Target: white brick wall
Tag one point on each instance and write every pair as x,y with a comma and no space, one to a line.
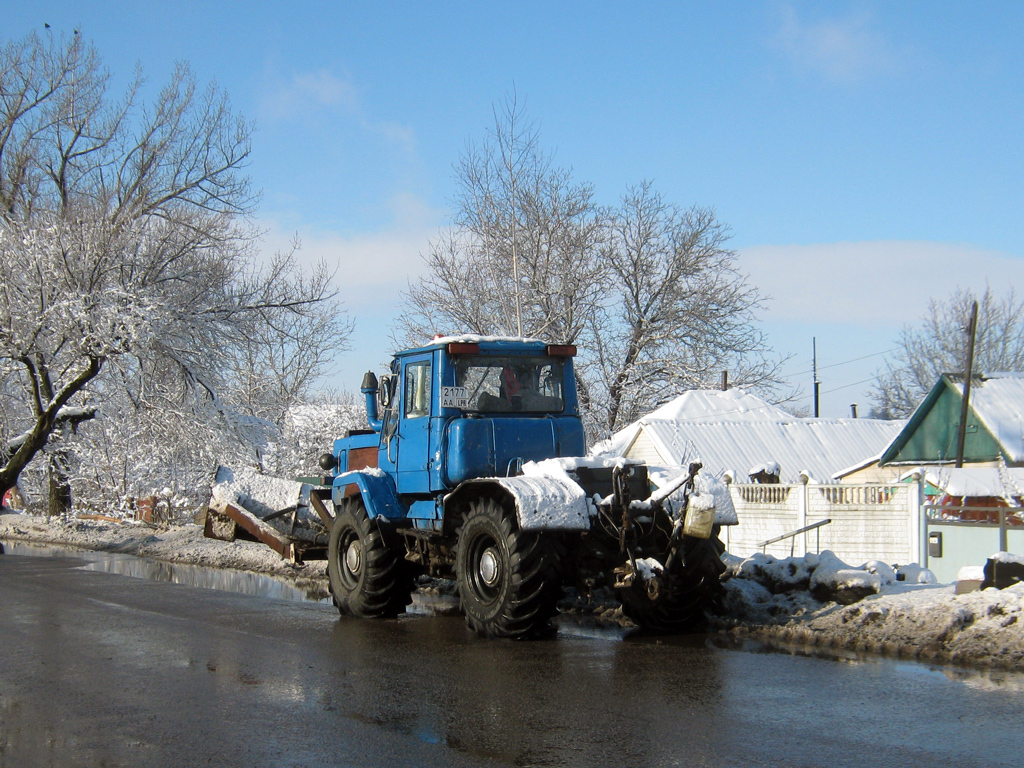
869,522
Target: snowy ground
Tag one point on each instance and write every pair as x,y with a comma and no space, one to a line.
184,544
813,602
818,601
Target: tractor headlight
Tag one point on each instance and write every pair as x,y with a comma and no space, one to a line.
327,462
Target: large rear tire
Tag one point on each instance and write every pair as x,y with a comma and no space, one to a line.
685,594
368,578
507,579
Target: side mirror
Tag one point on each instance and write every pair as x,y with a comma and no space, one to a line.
385,391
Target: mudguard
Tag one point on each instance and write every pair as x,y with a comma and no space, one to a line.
377,489
541,503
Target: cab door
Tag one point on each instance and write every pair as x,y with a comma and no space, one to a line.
414,457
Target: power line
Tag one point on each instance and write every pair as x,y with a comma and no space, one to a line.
857,359
845,362
847,386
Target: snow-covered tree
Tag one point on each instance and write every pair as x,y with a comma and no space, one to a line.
678,311
127,255
938,344
648,292
309,430
136,450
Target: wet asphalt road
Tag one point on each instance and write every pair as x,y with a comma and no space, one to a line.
98,669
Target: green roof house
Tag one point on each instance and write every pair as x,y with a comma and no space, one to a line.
995,424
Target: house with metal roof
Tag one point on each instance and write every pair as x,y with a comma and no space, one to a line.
975,509
994,431
993,453
737,435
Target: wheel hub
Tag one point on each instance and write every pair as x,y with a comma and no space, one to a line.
354,557
490,567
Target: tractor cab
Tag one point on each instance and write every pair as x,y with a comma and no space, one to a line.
465,408
469,407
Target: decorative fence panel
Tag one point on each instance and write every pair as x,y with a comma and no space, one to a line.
869,522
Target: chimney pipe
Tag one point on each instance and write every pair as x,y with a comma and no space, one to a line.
853,409
725,381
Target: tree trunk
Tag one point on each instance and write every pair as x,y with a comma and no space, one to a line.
59,500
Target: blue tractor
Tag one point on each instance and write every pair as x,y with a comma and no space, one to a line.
473,469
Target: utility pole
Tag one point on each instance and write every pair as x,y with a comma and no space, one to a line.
972,330
814,367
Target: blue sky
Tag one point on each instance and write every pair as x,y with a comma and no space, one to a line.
867,156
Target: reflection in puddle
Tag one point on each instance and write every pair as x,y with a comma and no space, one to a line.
244,582
433,604
987,679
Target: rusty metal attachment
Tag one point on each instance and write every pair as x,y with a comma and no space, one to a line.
276,512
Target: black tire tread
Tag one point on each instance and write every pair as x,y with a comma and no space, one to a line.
386,583
533,587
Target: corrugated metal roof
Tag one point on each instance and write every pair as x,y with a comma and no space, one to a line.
739,431
975,481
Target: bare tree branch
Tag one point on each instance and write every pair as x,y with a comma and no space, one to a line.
938,344
649,291
129,264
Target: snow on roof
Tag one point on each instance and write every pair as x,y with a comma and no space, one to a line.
739,431
476,338
998,401
704,404
974,481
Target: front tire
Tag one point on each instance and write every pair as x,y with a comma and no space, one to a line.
507,580
368,578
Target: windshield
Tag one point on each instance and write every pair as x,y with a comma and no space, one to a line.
507,384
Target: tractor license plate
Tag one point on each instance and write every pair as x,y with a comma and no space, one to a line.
454,397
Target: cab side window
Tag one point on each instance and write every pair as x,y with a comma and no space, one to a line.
417,390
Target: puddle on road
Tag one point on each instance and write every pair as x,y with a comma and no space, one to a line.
228,580
440,602
243,582
424,602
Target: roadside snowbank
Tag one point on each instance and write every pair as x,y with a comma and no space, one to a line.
185,544
818,600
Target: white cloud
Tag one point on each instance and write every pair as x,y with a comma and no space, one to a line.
306,93
372,267
872,284
304,97
839,49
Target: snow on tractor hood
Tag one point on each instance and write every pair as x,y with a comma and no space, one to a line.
548,503
548,497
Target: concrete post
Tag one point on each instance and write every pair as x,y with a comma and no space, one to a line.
918,520
801,514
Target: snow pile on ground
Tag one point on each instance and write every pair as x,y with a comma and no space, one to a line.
818,600
185,544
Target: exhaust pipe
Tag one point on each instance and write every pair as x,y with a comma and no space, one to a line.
369,390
